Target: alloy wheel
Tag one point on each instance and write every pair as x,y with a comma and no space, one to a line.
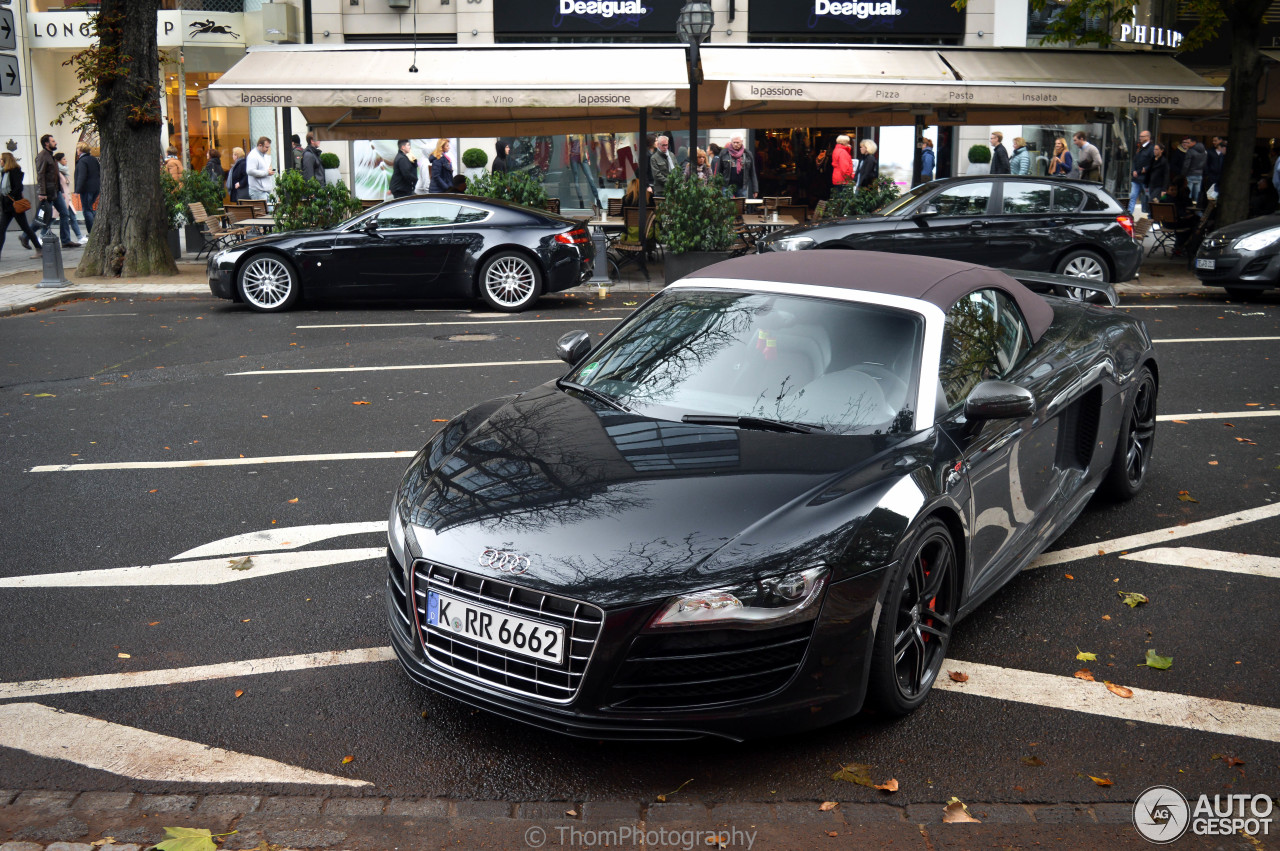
926,614
1142,430
267,283
510,281
1085,267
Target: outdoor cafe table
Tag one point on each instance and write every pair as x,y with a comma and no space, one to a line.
266,224
763,224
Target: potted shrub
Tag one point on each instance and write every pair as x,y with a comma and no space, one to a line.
331,173
847,201
979,160
303,204
518,187
474,160
198,187
175,208
696,222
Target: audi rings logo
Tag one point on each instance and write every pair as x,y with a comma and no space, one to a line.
512,563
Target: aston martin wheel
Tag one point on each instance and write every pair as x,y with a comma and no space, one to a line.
1137,439
1083,263
268,283
510,281
915,623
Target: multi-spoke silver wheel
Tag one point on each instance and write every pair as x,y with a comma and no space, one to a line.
1083,264
267,283
509,282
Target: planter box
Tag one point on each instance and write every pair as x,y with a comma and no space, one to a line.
195,239
979,168
175,243
676,266
332,176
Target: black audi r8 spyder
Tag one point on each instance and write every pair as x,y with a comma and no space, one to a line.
766,496
421,247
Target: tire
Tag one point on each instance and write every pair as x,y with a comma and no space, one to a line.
909,648
510,282
1083,263
1132,458
268,283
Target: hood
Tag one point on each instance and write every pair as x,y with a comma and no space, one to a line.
618,509
498,148
1247,227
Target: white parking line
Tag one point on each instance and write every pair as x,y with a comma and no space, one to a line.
462,322
1217,415
139,754
1131,542
1246,563
195,674
283,538
1226,718
394,368
1216,339
224,462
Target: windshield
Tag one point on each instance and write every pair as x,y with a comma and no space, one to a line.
898,205
842,366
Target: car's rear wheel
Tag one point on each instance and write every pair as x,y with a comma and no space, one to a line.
1132,459
1083,263
268,283
510,281
916,620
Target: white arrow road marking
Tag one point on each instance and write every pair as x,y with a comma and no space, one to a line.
464,322
397,367
225,462
1218,415
1144,539
195,674
213,571
1211,560
1226,718
139,754
282,538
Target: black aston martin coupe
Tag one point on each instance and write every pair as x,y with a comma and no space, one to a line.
421,247
765,497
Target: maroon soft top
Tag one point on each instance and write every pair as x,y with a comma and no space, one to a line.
931,279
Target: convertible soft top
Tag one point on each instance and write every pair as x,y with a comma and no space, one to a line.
939,282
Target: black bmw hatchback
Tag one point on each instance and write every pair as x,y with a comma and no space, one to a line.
1066,226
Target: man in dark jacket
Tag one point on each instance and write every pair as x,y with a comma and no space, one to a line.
1193,166
999,156
1142,162
49,189
312,168
1214,156
404,175
502,148
88,183
295,156
735,164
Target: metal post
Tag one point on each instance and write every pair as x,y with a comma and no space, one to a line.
643,169
182,112
51,260
694,79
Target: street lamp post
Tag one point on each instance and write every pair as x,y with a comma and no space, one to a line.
693,26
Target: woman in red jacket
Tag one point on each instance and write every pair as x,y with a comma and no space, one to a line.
841,161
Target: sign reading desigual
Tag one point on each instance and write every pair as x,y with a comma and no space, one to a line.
908,17
532,17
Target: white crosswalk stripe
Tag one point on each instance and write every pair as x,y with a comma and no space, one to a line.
1245,563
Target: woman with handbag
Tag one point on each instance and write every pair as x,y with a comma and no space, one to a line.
13,205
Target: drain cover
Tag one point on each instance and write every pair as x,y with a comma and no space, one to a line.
468,338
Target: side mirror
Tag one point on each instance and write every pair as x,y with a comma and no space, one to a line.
371,226
925,211
573,347
999,400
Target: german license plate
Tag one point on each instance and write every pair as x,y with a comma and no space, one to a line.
1205,263
495,628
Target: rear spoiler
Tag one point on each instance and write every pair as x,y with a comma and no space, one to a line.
1065,286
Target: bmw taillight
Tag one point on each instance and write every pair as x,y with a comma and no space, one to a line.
1126,222
577,236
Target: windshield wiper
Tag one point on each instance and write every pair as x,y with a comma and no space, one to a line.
754,423
605,398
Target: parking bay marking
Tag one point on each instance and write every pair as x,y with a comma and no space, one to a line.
397,367
1216,339
461,322
1228,562
224,462
140,754
1217,415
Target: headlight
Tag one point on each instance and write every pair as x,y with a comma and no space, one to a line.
1259,240
765,604
397,537
793,243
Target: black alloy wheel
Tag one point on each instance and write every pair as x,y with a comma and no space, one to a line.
1137,440
916,621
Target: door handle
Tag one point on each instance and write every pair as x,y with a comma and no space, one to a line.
977,225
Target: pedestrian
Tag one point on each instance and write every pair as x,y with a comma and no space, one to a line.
1193,167
1214,157
1141,170
1020,162
1061,164
172,164
999,156
49,190
404,174
88,183
64,180
868,168
928,160
502,148
262,174
842,161
702,169
661,164
460,184
312,167
295,156
441,167
238,177
1158,175
212,168
738,168
12,203
1088,159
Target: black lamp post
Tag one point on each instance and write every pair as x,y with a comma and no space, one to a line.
693,26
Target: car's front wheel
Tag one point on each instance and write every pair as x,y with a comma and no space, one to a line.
1137,439
268,283
916,620
1083,263
510,281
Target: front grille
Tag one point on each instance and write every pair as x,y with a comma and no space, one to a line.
493,665
701,668
395,582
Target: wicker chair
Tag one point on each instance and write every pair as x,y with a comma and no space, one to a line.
552,205
215,235
1163,214
615,207
259,207
238,212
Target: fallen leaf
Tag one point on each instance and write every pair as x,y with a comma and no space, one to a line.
956,812
347,759
1232,762
45,396
571,813
1085,657
292,501
153,490
958,677
663,798
1252,404
239,692
188,839
1106,617
1033,761
1068,575
827,806
1186,497
1084,674
1101,781
1213,463
106,840
855,772
242,563
1179,422
632,304
123,656
1132,599
1121,691
833,833
360,403
890,785
154,623
1160,663
1246,441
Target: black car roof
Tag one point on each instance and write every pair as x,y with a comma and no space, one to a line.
930,279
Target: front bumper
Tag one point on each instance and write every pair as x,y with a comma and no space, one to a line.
623,696
1232,267
221,278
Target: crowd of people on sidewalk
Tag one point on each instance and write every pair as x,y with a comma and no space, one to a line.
53,187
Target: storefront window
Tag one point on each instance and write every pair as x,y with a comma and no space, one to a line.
219,129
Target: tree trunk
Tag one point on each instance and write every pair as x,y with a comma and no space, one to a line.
129,234
1245,22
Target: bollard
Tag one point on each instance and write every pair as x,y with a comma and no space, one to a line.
51,259
600,272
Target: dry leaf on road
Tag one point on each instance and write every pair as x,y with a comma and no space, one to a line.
958,677
1101,781
956,812
890,785
827,806
1084,674
1118,690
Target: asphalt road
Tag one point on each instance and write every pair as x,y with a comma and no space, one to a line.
173,380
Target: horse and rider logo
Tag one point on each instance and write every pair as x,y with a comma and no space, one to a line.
211,27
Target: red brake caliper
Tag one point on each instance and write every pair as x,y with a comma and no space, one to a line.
932,602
